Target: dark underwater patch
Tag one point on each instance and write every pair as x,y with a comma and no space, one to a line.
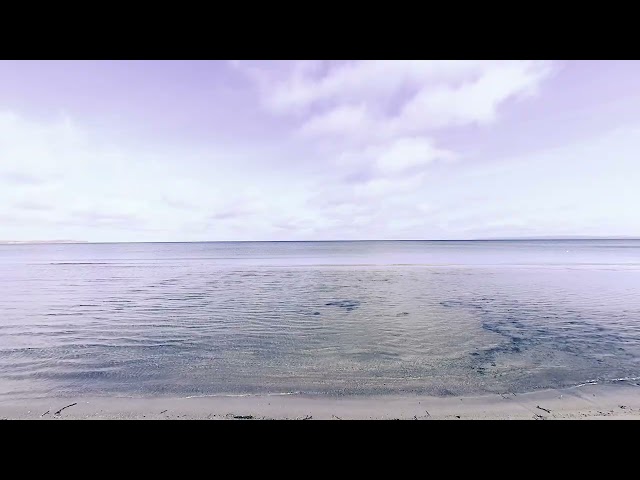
348,305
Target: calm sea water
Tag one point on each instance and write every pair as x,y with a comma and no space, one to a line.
443,318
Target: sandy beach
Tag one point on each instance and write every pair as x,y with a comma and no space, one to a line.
584,402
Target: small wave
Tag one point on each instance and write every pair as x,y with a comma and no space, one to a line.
80,263
607,380
280,394
586,383
624,379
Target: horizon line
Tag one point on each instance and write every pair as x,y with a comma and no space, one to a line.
486,239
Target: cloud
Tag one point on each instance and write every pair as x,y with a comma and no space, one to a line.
292,87
94,189
349,149
406,154
435,92
232,213
97,218
380,120
20,178
476,101
31,205
178,204
342,121
32,153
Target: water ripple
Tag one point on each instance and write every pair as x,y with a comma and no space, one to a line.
200,328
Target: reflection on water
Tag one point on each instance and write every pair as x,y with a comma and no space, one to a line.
328,317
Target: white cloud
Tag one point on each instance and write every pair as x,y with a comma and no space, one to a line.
369,125
407,153
436,92
474,101
379,138
379,120
58,179
341,121
304,84
32,150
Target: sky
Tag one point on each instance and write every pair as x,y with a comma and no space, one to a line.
111,151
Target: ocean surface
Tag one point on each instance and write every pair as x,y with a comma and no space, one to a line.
325,318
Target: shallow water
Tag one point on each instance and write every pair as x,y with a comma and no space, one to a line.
443,318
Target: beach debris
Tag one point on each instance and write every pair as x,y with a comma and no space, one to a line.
45,413
316,313
71,405
457,416
545,409
428,414
163,411
537,417
335,416
243,417
308,417
402,314
623,407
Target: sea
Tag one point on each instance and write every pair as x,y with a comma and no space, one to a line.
341,318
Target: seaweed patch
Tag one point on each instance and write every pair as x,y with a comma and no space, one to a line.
348,305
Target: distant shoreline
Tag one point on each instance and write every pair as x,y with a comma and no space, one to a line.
521,239
39,242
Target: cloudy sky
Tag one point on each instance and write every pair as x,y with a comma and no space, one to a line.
284,150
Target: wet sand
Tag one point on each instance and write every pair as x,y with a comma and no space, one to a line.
584,402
